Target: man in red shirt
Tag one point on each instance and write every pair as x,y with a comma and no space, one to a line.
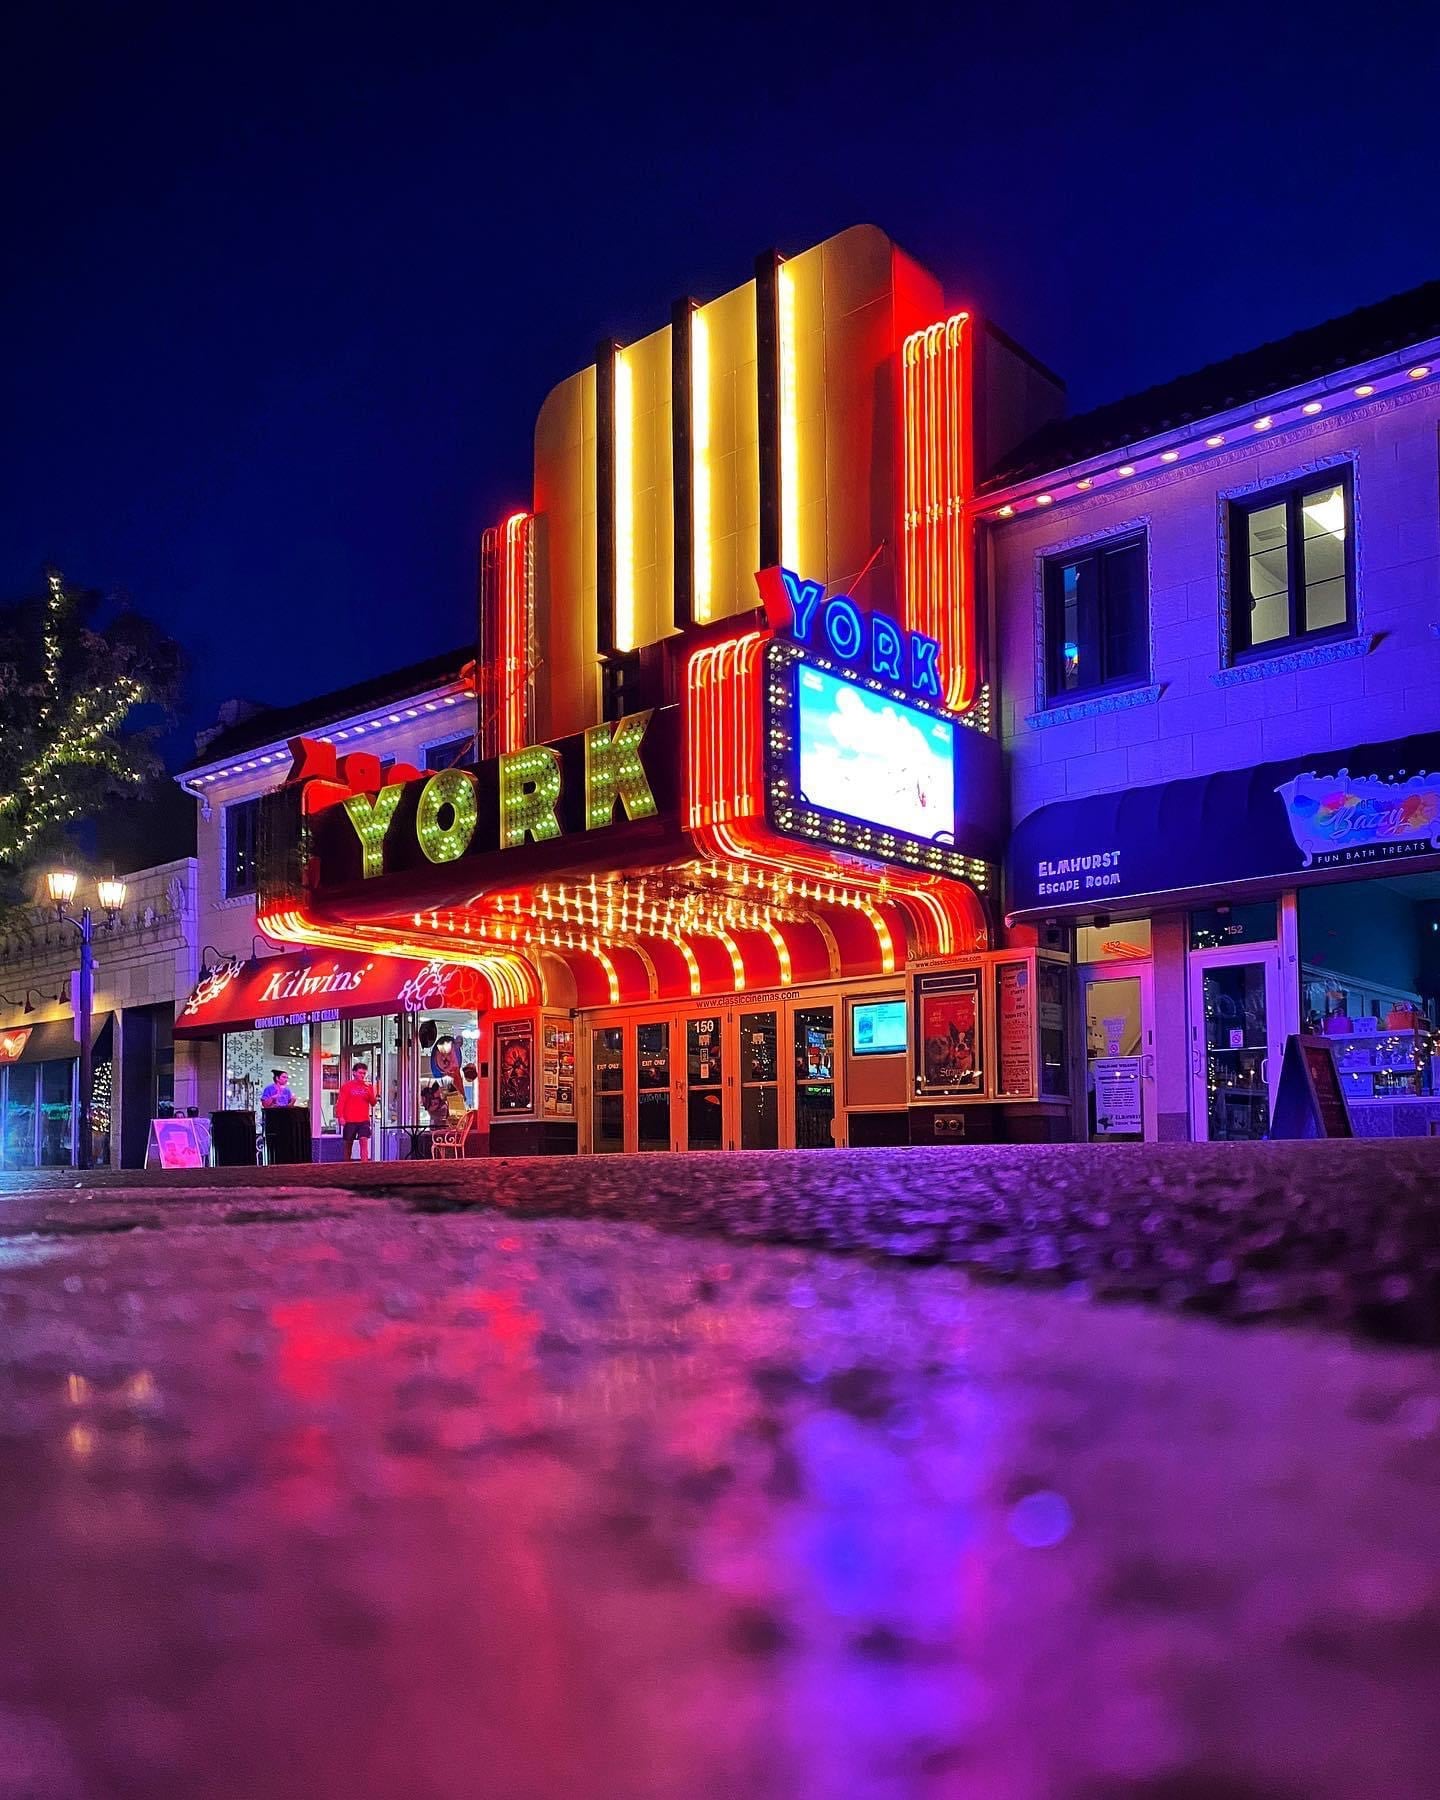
353,1106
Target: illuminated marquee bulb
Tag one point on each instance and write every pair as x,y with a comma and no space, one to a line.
446,817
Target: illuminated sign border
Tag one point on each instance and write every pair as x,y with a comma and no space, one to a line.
793,816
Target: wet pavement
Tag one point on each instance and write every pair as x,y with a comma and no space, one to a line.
317,1488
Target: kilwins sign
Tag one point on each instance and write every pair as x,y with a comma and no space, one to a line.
310,987
1368,806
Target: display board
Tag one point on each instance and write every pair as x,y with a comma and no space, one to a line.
1310,1102
557,1067
178,1144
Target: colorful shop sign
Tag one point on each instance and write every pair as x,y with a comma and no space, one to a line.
12,1044
1342,818
311,987
1298,820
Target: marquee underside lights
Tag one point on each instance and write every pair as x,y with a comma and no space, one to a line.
935,374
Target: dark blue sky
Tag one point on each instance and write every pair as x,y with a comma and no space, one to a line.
286,287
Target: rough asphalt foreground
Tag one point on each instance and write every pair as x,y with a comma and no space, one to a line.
346,1488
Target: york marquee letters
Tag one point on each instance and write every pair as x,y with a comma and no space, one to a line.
529,798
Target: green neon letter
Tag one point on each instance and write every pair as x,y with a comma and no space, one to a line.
445,818
371,819
614,771
529,790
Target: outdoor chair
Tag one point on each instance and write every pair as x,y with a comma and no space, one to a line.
452,1139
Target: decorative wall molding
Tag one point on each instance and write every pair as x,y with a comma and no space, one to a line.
1338,650
1113,700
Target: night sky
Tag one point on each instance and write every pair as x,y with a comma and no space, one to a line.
286,288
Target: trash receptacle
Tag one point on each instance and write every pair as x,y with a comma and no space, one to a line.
287,1134
232,1138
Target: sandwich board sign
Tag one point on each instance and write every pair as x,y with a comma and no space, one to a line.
178,1144
1310,1102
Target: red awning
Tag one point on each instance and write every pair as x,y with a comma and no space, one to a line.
307,987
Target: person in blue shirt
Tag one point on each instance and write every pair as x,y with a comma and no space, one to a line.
278,1092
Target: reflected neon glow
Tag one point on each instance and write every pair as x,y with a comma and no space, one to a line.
875,759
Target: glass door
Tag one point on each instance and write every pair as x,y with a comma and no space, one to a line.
1234,1006
813,1039
652,1085
760,1080
1119,1054
607,1089
705,1082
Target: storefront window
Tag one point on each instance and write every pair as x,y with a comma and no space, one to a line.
57,1113
19,1145
252,1057
1127,940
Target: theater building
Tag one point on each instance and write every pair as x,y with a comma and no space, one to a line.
727,870
1218,688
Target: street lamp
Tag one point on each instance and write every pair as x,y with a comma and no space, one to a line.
61,885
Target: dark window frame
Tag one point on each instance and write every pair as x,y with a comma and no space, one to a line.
241,878
1054,563
463,742
1291,493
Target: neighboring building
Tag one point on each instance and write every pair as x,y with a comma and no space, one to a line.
256,1007
145,965
728,871
1218,611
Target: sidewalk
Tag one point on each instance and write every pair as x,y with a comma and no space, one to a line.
1339,1234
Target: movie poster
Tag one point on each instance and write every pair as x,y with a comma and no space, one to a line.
949,1033
515,1067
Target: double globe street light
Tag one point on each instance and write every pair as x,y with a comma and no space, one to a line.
62,885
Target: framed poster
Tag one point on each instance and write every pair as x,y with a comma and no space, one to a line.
949,1034
515,1066
1014,1030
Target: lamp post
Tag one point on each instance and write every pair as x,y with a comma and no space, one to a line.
61,885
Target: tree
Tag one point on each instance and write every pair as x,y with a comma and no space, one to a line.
85,684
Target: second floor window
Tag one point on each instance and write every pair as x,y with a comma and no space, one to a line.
242,826
1292,563
1096,618
454,753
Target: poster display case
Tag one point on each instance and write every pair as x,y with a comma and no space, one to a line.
992,1028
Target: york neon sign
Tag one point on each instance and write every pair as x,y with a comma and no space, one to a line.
870,643
368,825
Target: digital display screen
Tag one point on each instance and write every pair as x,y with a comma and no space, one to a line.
877,1027
875,759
